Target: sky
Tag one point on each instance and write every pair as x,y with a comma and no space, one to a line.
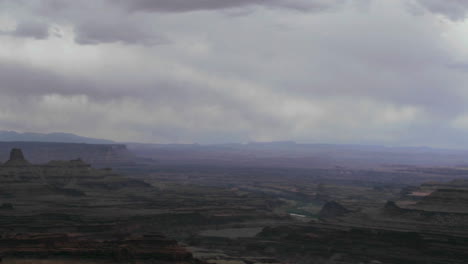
391,72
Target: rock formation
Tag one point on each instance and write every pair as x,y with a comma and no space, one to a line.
445,200
125,248
332,209
78,163
98,155
68,209
392,209
16,159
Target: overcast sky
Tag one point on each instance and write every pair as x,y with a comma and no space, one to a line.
390,72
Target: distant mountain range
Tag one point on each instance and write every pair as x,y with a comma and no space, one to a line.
11,136
256,154
297,155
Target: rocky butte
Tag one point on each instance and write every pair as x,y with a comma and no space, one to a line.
99,155
16,159
67,211
333,209
431,230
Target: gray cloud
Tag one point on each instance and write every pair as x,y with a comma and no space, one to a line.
49,99
92,26
185,6
453,9
354,75
89,33
29,29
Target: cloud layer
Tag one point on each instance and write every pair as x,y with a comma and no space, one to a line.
187,6
454,10
343,71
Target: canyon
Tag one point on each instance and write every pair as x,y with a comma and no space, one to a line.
146,210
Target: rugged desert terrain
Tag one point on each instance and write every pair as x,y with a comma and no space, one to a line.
152,211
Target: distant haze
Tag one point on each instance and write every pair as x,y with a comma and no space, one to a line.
391,72
12,136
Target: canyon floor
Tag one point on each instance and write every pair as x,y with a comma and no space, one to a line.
151,211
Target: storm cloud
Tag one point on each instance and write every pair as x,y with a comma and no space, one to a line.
454,10
29,29
344,71
186,6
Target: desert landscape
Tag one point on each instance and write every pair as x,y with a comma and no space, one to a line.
149,210
233,132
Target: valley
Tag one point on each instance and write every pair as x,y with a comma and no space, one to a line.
143,211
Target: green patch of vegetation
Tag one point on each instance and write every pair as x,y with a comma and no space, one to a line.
299,211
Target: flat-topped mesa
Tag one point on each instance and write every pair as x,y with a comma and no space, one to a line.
445,200
77,163
16,159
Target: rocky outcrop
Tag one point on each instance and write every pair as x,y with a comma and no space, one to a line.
392,209
109,155
78,163
68,209
445,200
430,232
65,178
153,247
333,209
331,243
16,159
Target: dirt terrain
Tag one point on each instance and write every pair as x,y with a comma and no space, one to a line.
148,212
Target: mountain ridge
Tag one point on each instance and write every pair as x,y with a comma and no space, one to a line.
58,137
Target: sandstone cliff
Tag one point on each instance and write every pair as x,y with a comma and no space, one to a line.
97,155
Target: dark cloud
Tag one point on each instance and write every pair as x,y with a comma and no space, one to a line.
49,99
90,33
452,9
96,22
24,81
192,5
29,29
109,21
270,73
92,26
